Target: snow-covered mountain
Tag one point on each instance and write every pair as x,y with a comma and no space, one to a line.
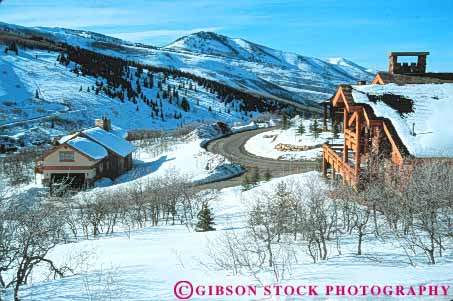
309,78
41,99
236,62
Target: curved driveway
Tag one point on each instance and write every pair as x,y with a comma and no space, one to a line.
232,147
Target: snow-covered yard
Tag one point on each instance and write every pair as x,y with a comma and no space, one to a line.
183,156
266,144
146,264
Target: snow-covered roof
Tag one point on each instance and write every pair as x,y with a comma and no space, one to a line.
111,141
88,147
66,138
423,126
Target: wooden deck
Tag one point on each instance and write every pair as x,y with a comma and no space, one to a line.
332,156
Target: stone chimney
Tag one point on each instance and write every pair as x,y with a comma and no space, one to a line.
405,68
104,123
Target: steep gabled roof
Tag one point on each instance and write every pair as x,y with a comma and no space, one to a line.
344,94
110,141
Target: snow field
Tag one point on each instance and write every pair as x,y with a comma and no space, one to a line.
146,264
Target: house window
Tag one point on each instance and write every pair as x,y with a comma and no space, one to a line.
66,156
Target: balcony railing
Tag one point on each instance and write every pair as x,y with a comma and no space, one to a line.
346,170
350,139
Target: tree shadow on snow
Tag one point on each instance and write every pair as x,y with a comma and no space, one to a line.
142,169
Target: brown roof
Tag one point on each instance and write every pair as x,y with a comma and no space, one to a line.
426,78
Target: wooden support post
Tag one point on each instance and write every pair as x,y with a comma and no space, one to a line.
358,125
345,127
324,166
365,139
333,172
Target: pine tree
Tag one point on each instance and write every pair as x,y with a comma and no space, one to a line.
205,219
151,80
246,184
13,47
185,105
285,122
316,129
301,129
255,176
37,94
139,88
81,88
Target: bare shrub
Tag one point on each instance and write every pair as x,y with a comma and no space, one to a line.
28,233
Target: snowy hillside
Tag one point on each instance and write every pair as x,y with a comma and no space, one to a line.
67,102
309,78
236,62
146,264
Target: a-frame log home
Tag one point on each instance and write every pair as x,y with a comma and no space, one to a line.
398,119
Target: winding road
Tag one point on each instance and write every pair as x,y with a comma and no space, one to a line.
232,147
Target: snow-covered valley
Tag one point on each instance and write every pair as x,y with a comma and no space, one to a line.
200,194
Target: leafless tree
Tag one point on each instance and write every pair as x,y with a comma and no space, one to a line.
319,221
361,216
426,197
263,223
31,230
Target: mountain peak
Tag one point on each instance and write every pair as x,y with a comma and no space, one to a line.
208,42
